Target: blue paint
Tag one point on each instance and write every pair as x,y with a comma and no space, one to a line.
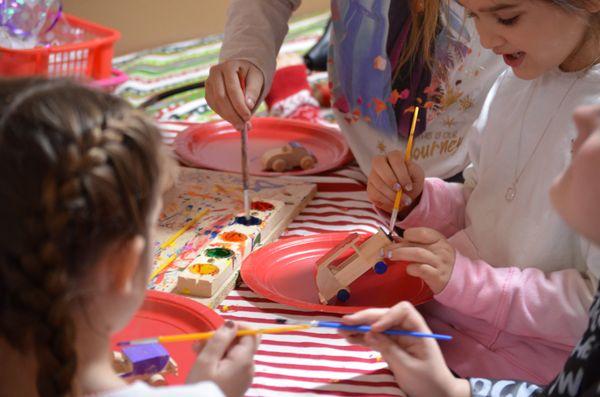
343,295
251,221
380,267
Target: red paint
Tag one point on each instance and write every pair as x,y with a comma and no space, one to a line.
234,237
203,145
284,272
262,206
167,314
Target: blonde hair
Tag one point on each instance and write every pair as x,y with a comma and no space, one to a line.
421,39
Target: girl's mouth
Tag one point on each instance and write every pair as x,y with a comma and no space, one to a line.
515,59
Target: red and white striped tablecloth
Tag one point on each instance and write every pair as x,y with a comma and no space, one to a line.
315,362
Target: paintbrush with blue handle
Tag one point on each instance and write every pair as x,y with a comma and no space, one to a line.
362,328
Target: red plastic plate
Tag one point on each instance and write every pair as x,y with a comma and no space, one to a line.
284,272
217,145
168,314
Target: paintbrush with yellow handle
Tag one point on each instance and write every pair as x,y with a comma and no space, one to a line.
210,334
407,154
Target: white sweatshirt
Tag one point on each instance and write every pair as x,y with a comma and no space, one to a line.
141,389
523,281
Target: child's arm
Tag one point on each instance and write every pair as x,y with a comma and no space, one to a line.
441,207
551,306
254,32
528,302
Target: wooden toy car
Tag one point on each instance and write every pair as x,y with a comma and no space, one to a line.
288,157
333,280
147,362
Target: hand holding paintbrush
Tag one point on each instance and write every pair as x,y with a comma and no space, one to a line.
416,363
395,182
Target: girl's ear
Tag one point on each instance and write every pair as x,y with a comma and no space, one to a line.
123,264
592,6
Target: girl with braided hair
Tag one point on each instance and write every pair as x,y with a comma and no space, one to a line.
82,176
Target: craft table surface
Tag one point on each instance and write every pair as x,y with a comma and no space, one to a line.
316,362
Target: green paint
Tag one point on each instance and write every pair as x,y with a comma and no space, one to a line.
219,253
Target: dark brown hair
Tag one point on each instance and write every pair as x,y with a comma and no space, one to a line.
80,171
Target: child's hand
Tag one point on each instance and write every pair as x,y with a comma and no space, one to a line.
391,173
226,361
224,91
417,363
430,255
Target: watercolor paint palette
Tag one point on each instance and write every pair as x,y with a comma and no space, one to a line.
203,237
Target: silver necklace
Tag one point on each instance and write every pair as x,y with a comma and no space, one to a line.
511,191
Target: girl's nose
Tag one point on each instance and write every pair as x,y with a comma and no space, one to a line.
489,38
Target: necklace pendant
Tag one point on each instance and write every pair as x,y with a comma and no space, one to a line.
511,193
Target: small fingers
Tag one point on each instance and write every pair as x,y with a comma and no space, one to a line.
235,94
412,255
381,167
218,100
215,348
379,194
399,167
255,82
364,317
423,235
403,316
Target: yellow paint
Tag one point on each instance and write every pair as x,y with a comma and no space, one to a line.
204,269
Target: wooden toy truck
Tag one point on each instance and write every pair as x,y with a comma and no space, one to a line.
287,157
333,280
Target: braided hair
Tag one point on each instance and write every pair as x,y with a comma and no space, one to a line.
80,171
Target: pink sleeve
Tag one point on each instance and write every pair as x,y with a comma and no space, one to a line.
526,302
442,207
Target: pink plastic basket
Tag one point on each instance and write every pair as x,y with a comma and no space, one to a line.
110,84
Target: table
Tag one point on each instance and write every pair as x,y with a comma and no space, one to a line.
315,362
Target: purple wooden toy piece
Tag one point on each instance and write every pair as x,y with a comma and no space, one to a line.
146,359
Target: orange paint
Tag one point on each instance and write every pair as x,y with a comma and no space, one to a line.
234,237
380,106
204,269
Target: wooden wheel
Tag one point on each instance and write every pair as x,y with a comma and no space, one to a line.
278,165
307,163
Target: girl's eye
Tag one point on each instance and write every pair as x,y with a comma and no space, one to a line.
471,14
509,21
